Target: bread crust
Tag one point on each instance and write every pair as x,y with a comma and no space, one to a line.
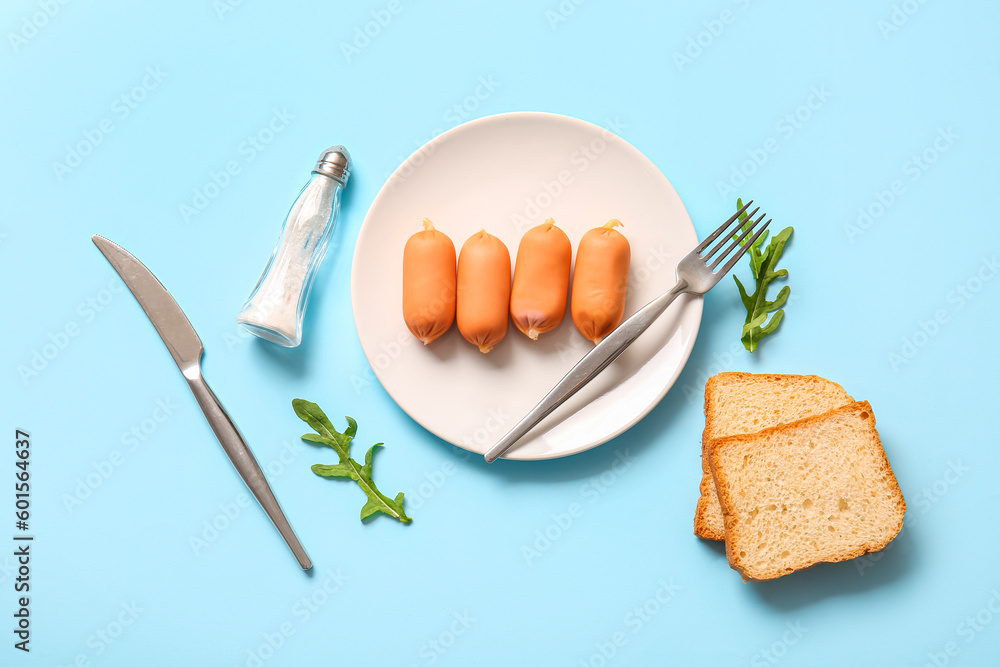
703,527
732,522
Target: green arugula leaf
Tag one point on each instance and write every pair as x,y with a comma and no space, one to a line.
762,263
348,468
755,254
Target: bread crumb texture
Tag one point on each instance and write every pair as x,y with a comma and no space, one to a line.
817,490
739,403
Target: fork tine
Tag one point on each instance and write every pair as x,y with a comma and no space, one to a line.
726,238
729,265
751,223
715,234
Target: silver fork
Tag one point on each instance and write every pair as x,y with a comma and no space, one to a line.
694,276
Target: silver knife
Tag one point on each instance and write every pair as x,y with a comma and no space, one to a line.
186,349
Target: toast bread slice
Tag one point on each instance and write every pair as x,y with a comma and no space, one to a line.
819,490
738,403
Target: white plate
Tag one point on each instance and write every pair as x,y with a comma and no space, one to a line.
506,173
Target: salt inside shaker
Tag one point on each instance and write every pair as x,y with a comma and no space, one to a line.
276,306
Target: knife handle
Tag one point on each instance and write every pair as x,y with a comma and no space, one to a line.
243,459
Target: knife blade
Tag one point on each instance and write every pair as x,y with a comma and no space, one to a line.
167,317
186,348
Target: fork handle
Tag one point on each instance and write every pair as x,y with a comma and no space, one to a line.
587,368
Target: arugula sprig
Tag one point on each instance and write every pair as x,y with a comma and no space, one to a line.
348,468
762,263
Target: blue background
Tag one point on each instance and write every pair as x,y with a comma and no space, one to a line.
461,585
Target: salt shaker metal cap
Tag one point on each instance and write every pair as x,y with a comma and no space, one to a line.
335,162
276,306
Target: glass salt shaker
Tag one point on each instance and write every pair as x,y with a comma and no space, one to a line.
277,305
